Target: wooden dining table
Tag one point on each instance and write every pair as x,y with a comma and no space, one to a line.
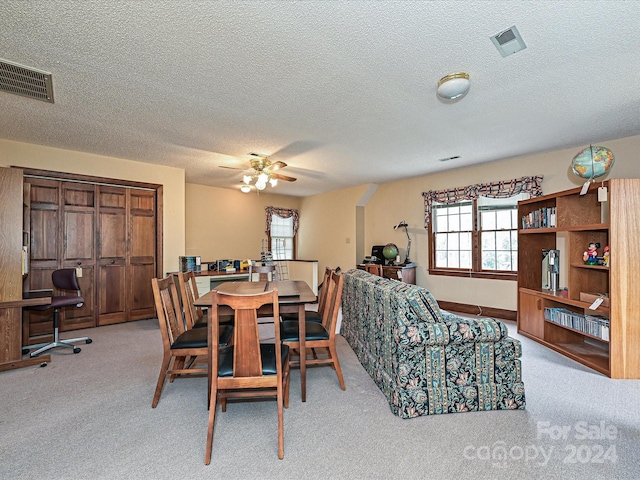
293,295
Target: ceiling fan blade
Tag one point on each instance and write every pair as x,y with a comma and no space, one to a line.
283,177
231,168
275,166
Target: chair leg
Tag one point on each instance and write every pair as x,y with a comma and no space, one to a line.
336,363
287,372
178,364
161,378
280,422
43,347
212,419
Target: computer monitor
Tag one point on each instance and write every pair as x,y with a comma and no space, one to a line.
376,251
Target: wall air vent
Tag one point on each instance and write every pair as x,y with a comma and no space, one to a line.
25,81
508,41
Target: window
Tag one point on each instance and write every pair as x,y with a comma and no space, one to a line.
477,238
281,230
281,239
474,228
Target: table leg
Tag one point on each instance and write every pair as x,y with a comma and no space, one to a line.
302,332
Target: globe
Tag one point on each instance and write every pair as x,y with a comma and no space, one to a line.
390,251
592,162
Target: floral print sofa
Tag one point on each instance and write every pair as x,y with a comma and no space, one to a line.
425,360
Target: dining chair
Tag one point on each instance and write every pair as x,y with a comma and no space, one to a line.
265,273
178,343
374,269
247,368
319,335
315,315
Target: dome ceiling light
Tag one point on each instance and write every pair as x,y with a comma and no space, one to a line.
454,86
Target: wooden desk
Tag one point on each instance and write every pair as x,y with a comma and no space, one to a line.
292,297
11,334
403,273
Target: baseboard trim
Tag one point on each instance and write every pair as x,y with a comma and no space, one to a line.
479,310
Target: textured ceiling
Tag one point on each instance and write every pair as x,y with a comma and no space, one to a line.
344,92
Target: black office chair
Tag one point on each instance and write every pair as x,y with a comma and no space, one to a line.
63,279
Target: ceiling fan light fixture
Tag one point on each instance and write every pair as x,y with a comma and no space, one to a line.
454,86
263,178
273,181
261,185
245,188
246,179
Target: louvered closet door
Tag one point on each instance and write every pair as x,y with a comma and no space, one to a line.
112,255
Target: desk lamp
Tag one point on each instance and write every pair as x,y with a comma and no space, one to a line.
403,223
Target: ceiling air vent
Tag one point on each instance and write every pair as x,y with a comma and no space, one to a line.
508,41
25,81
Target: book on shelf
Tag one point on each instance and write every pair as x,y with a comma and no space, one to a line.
541,218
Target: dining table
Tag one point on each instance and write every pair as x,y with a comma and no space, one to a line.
293,295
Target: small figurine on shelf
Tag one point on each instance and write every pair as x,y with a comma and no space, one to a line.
590,256
605,256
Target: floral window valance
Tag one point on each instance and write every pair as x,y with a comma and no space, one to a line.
282,213
504,189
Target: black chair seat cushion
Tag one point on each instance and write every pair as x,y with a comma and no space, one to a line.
309,315
194,338
314,331
267,353
60,301
197,337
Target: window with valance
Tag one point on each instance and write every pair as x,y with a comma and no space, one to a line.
473,229
281,229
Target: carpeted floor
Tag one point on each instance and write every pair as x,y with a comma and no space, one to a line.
89,416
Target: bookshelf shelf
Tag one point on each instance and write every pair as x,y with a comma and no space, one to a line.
581,219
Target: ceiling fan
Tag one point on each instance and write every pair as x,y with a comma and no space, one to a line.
262,171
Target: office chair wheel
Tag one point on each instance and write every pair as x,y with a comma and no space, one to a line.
76,350
43,364
89,340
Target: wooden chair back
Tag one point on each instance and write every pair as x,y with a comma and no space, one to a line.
333,303
246,339
188,295
322,295
263,272
168,309
374,269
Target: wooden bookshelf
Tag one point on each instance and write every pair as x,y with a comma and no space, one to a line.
581,219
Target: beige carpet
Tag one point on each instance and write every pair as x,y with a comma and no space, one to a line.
89,416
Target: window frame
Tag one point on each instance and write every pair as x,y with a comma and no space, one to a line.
476,270
293,239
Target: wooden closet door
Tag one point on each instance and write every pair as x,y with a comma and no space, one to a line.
112,255
43,254
141,252
78,249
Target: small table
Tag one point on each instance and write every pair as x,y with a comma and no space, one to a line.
292,297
